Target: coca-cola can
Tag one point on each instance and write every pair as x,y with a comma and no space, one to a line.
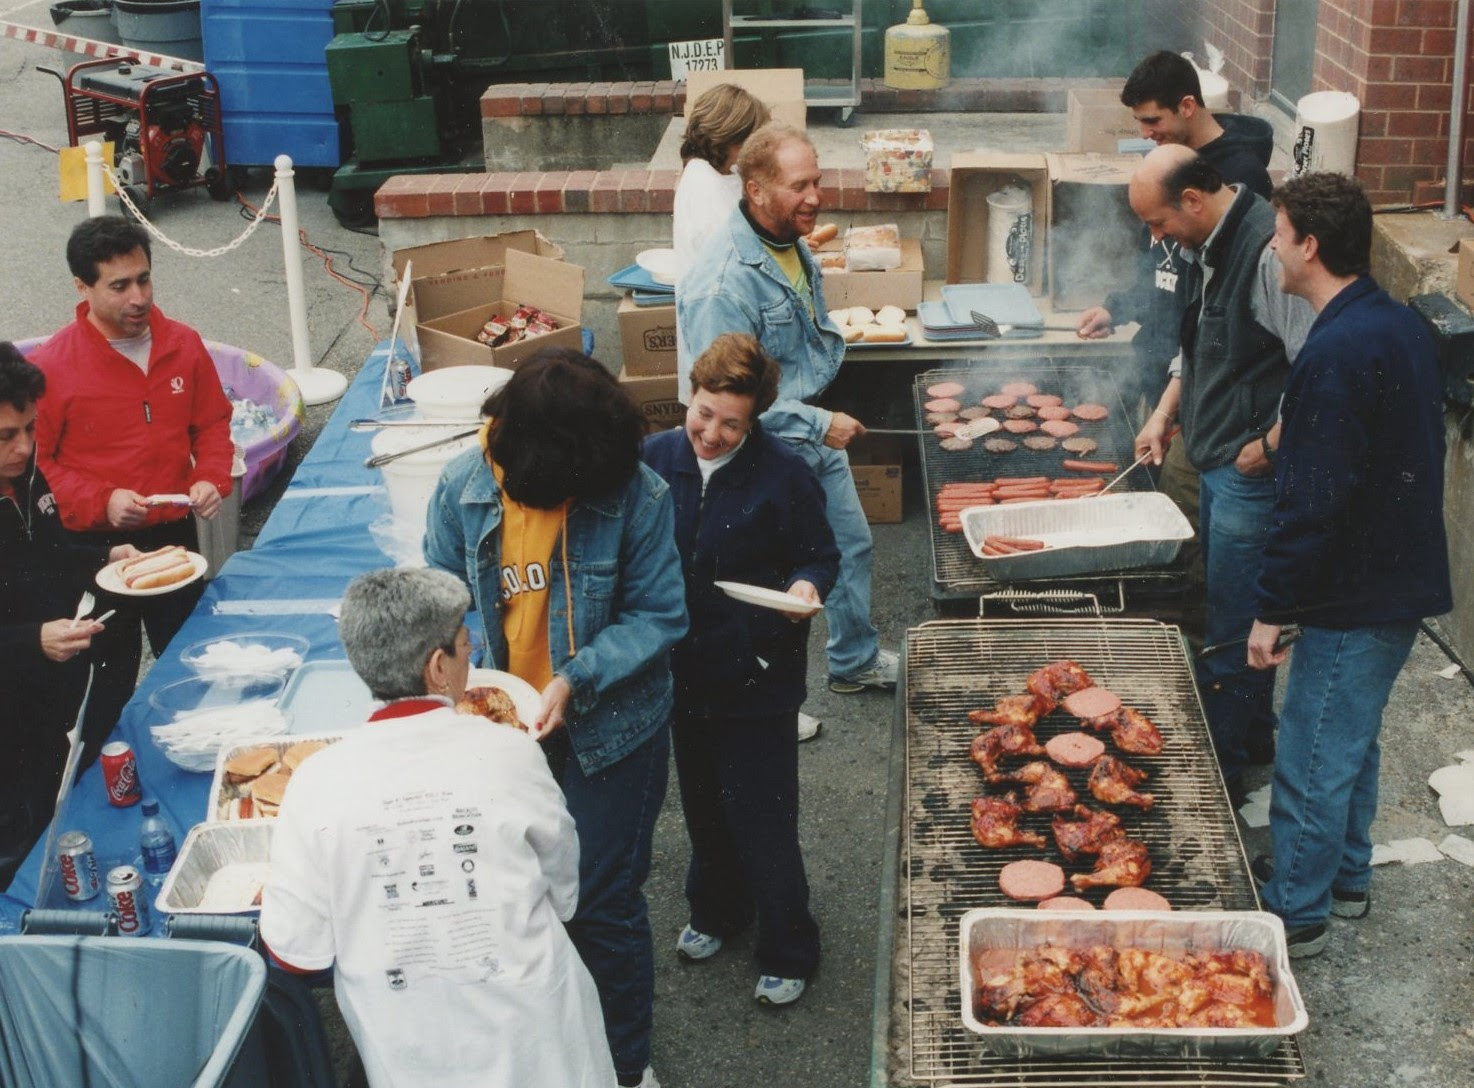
78,863
120,774
130,904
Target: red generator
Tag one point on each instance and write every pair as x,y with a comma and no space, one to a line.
164,125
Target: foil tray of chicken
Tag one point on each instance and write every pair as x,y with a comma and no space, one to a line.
1189,984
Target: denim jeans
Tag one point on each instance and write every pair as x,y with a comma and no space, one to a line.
614,810
1325,769
739,792
853,640
1233,519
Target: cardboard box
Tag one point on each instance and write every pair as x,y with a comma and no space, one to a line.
1464,277
897,287
1096,121
647,337
461,274
875,464
897,160
656,397
976,175
780,89
1094,236
550,285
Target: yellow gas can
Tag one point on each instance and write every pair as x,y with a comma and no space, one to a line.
918,53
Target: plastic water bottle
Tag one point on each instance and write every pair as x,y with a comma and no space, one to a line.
156,843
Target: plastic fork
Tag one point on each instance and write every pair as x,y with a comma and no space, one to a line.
84,607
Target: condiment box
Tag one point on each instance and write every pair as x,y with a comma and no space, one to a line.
897,160
222,793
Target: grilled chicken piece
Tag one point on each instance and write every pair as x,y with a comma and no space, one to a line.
1135,733
1049,790
1218,1014
1003,740
995,823
1122,863
1112,781
1225,968
999,997
1097,979
1022,710
1087,833
1056,680
1059,1011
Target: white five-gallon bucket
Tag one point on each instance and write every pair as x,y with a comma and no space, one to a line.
1325,133
410,480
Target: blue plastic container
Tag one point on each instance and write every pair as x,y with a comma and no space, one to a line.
268,56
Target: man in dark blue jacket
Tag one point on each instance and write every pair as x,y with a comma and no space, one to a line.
1356,552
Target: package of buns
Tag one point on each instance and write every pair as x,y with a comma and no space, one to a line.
251,778
874,248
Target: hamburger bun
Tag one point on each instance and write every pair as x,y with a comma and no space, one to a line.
292,758
249,763
268,790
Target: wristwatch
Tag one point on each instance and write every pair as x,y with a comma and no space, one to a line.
1269,450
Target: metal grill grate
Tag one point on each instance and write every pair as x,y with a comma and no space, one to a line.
1198,860
956,571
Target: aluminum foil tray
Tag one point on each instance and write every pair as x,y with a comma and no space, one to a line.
210,849
1091,535
1179,931
223,792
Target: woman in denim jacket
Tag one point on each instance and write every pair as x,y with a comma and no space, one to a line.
567,544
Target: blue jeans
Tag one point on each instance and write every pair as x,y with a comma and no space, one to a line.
1233,519
853,640
1325,769
614,811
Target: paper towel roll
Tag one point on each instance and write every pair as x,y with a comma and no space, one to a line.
1215,90
1325,133
1010,234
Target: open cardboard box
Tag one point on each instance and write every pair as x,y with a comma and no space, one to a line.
550,285
875,464
897,287
1094,236
657,399
463,273
647,338
975,176
1464,277
780,89
1096,121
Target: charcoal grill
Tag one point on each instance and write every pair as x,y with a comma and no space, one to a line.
957,575
939,872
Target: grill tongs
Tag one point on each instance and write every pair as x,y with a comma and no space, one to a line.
1289,633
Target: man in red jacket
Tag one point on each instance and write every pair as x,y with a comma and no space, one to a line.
134,411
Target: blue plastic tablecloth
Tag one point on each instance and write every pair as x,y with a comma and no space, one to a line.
314,543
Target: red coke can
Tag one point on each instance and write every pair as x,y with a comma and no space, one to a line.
120,774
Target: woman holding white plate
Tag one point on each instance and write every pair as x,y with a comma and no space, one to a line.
748,510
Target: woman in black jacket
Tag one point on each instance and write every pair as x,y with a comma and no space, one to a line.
43,664
748,510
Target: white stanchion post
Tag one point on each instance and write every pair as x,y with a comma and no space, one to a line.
96,196
318,384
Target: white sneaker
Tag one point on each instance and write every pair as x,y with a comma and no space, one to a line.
808,726
772,990
694,945
648,1080
880,673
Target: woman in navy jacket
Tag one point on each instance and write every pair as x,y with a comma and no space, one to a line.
748,510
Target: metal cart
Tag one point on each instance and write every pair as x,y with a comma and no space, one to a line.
843,95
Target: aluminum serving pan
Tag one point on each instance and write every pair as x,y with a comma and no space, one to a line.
1009,929
238,853
223,793
1081,536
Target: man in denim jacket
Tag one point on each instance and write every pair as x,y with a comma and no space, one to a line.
759,278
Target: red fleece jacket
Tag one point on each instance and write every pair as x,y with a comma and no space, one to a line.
104,424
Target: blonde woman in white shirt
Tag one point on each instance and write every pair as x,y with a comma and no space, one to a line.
720,122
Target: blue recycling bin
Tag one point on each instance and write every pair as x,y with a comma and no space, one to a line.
116,1012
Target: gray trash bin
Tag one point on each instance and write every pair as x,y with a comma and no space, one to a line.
114,1012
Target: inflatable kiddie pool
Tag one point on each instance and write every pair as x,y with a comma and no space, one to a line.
247,376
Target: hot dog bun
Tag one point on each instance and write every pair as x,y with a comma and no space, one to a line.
825,232
885,334
890,315
163,578
852,333
156,569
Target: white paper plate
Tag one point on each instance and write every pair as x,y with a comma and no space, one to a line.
525,697
109,579
767,598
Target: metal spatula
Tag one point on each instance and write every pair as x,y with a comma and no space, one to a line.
989,327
